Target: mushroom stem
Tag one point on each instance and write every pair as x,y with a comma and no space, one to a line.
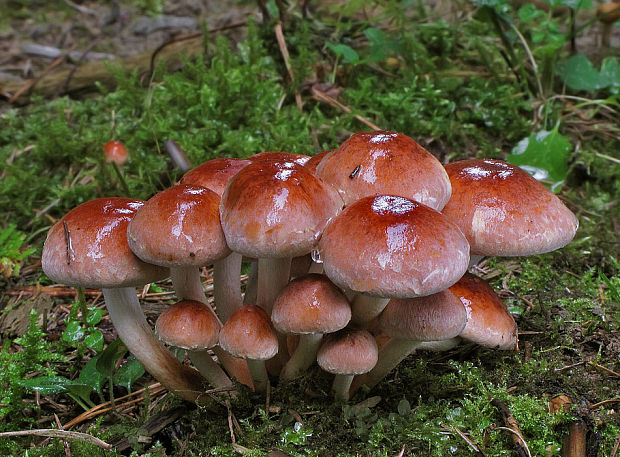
304,356
187,284
260,379
132,328
273,276
365,308
390,355
209,369
474,259
226,288
249,297
440,345
341,386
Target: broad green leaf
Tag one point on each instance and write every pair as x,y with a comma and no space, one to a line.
528,12
610,71
107,359
403,407
349,55
375,36
91,376
544,155
94,316
127,374
48,385
73,333
94,340
579,74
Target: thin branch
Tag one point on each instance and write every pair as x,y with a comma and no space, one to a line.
63,434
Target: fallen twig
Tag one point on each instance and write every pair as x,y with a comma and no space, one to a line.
63,434
512,426
601,403
285,55
605,369
321,96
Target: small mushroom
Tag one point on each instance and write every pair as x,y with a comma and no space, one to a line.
309,306
191,325
248,334
347,353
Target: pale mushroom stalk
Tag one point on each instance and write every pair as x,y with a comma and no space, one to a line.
226,287
342,385
130,324
259,375
187,285
273,275
390,355
365,308
304,356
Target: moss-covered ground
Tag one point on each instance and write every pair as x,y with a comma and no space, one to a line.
463,88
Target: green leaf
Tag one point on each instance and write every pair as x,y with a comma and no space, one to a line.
610,71
107,359
403,407
348,54
73,333
128,373
91,376
94,316
375,36
544,155
528,12
579,74
48,385
94,340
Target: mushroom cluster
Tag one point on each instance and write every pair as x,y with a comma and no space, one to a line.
359,257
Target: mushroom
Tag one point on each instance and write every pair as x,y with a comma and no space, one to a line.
607,13
191,325
116,155
410,322
347,353
249,334
489,323
385,163
386,247
503,211
309,306
88,247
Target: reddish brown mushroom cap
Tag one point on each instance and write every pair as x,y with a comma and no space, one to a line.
432,318
115,152
385,163
276,209
88,247
393,247
179,226
299,159
214,174
314,161
311,304
248,334
489,322
503,211
188,324
348,352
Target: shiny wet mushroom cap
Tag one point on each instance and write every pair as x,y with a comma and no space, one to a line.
503,211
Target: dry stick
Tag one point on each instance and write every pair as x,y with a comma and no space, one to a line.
64,442
190,36
32,82
63,434
469,442
574,444
600,403
601,367
287,64
614,451
321,96
512,426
